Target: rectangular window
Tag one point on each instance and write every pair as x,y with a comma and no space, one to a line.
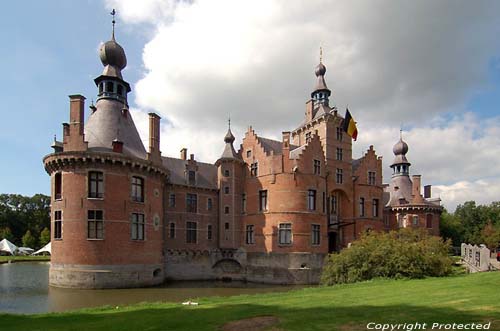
209,204
191,203
263,200
317,167
250,236
324,202
58,186
249,153
171,200
285,233
191,232
96,184
361,207
137,226
315,234
226,210
428,221
226,189
339,134
209,232
137,189
119,90
339,176
109,87
339,154
375,207
371,177
191,177
57,224
415,220
244,202
254,169
334,207
171,231
95,224
311,199
308,137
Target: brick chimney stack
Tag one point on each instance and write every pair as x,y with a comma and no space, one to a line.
73,139
154,138
184,152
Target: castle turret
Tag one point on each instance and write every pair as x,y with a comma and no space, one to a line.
230,174
107,203
321,92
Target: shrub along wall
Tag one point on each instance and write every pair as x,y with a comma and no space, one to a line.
405,253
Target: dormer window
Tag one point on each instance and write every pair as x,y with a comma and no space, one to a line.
192,177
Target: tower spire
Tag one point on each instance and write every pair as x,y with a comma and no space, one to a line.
113,13
320,54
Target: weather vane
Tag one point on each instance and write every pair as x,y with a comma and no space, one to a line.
113,13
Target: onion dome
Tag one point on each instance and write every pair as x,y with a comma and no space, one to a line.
320,70
400,148
112,54
229,138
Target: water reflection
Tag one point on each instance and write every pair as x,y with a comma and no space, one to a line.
24,289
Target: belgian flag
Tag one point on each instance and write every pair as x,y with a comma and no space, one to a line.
349,126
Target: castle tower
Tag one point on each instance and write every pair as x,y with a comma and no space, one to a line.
230,174
107,192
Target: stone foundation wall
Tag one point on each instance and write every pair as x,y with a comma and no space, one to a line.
105,276
271,268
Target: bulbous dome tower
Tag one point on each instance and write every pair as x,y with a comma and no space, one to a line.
400,165
321,92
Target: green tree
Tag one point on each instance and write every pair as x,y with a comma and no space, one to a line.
29,240
5,233
44,236
451,227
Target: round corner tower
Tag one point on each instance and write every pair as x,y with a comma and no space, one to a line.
107,191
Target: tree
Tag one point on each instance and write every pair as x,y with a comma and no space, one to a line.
5,233
29,240
451,227
490,236
44,236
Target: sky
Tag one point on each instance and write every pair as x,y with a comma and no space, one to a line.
431,68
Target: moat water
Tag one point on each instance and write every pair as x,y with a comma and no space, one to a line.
24,289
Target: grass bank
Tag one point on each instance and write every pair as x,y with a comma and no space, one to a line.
458,299
23,258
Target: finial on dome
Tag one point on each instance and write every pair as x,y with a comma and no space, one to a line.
113,13
320,54
229,121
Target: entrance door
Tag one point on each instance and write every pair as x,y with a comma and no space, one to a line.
332,242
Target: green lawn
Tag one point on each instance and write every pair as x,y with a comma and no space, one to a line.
15,258
465,298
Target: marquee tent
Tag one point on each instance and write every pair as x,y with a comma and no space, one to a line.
44,249
7,246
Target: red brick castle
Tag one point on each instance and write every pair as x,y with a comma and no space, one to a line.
124,216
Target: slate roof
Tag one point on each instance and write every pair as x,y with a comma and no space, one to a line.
206,176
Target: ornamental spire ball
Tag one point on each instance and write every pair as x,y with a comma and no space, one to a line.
111,53
400,148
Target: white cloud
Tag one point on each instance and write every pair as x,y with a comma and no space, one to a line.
408,63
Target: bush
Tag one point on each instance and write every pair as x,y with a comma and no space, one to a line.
405,253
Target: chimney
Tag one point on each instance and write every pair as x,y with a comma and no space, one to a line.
76,112
117,146
309,110
415,190
427,191
286,139
191,157
73,139
184,152
154,138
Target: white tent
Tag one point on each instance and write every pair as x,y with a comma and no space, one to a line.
7,246
25,250
47,248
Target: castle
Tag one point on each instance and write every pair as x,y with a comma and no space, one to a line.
124,216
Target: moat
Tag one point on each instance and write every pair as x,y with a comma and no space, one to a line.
24,289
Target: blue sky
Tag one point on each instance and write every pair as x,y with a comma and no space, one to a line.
433,67
49,51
